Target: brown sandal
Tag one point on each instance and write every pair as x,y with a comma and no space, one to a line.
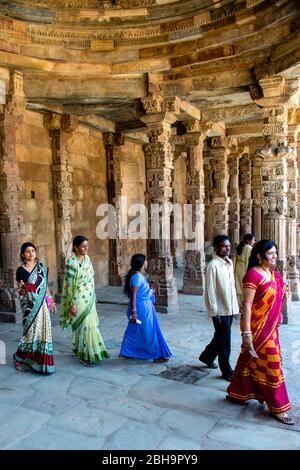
161,359
284,418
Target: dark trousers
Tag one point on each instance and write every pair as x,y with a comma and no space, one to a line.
220,344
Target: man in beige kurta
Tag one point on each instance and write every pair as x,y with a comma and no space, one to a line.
221,303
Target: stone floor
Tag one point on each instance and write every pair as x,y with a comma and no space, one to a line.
131,404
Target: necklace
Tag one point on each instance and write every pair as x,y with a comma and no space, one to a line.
266,270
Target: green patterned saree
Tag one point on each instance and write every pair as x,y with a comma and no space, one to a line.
79,289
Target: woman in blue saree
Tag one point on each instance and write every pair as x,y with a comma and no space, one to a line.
143,337
35,350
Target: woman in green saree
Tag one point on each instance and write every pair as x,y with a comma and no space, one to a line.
78,305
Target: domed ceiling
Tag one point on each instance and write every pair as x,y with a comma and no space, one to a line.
99,58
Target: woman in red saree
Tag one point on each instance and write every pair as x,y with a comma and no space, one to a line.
258,373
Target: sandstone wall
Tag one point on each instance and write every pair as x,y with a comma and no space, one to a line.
133,179
33,149
87,157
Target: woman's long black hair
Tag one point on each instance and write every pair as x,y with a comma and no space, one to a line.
247,238
260,248
136,263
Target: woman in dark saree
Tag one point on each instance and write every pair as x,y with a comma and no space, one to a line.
35,349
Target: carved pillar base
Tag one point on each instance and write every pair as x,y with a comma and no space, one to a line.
193,278
161,273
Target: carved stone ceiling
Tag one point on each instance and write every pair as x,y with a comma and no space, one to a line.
97,57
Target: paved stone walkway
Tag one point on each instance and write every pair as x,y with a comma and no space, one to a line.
127,404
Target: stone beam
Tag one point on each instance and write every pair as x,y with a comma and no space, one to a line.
247,129
71,69
89,91
98,122
45,107
142,66
231,114
212,82
130,126
190,109
137,137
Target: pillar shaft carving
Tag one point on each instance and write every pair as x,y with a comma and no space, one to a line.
291,216
193,278
220,202
277,97
114,190
298,200
257,194
245,194
11,116
234,196
208,196
159,165
60,129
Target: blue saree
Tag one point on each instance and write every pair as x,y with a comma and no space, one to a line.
145,340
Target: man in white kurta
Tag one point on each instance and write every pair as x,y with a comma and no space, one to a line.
221,303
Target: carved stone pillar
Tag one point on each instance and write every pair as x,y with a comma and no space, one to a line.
208,198
159,165
278,96
257,196
291,216
274,174
298,200
11,115
174,201
245,194
193,278
60,130
220,200
114,191
234,196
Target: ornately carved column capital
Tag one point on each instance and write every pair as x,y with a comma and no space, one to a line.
61,122
110,139
15,100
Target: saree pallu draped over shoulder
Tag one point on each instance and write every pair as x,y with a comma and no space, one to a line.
262,378
79,289
35,349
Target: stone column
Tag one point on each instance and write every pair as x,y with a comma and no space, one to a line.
11,116
298,200
114,192
193,278
275,154
278,96
208,198
159,165
172,221
234,196
257,197
245,195
220,201
60,130
291,216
